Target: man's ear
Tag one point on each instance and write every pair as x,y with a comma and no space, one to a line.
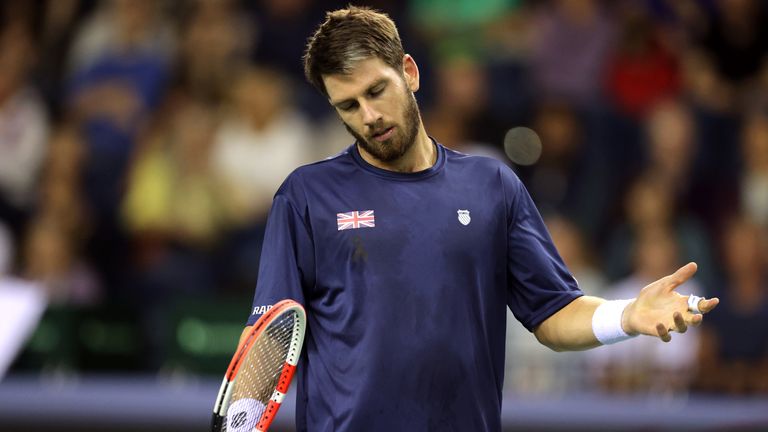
411,73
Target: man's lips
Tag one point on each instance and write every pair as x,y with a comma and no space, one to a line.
384,134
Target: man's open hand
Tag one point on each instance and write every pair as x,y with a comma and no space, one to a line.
659,309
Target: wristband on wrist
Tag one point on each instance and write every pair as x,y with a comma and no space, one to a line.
606,321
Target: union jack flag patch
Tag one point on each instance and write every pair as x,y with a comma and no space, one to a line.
355,220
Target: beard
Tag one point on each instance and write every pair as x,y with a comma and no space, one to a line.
400,142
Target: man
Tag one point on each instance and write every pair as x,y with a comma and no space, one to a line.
406,255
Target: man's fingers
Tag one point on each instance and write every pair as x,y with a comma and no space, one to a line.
696,319
664,335
680,325
706,305
681,275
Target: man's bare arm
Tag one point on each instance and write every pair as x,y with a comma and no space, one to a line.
570,328
657,311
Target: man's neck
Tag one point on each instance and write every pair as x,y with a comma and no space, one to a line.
421,156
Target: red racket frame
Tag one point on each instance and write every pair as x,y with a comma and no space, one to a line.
289,367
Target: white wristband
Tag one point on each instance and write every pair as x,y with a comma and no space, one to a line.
606,321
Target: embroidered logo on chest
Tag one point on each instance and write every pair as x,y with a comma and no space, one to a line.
464,217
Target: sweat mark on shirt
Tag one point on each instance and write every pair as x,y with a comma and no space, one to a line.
359,254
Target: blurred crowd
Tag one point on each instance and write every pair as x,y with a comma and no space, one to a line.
141,142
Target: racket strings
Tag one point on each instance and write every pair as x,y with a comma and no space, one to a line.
264,362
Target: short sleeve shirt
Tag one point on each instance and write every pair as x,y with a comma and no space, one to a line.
406,278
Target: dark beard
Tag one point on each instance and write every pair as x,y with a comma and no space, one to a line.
393,149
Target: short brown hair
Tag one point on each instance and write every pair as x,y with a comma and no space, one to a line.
347,36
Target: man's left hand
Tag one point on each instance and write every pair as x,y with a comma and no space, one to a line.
659,310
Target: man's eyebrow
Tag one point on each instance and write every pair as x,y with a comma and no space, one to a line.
373,85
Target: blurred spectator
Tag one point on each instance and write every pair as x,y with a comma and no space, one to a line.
671,145
454,135
120,66
725,58
644,364
734,352
215,41
571,43
648,206
261,139
177,208
60,20
701,83
174,213
689,152
172,206
117,27
757,95
754,176
509,34
682,21
577,254
330,137
568,178
260,121
459,25
281,32
461,17
60,194
51,259
479,30
460,104
642,70
119,70
23,128
737,40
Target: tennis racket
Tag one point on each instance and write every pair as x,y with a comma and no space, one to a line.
261,371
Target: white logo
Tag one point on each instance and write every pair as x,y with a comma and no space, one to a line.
257,310
464,217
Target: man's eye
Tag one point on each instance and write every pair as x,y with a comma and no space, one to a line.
377,91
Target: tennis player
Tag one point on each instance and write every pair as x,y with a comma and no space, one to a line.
406,255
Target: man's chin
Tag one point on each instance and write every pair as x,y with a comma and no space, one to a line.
384,154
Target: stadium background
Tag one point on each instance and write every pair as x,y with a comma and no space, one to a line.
141,142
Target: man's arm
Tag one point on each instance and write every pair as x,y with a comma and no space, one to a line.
657,311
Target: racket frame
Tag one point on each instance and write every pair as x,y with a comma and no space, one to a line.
289,367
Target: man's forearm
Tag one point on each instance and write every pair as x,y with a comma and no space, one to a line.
570,328
657,311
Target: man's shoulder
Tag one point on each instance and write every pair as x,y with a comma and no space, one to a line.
475,160
316,173
326,167
480,164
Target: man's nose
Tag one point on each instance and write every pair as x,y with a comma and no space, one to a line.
371,116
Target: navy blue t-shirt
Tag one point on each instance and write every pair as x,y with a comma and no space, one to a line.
406,278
